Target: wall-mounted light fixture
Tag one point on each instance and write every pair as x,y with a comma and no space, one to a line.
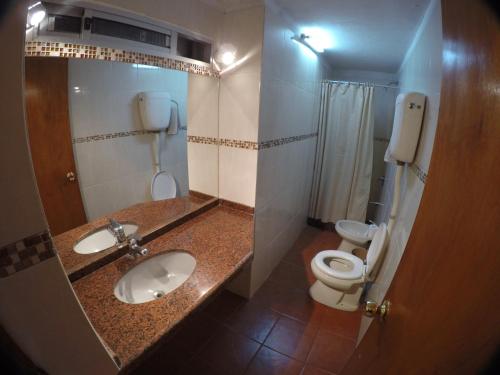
36,13
316,39
302,39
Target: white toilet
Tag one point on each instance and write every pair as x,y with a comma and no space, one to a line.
341,275
354,234
163,186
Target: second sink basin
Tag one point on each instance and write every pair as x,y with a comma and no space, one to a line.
155,277
101,239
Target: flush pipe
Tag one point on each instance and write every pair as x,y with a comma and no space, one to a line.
395,197
156,153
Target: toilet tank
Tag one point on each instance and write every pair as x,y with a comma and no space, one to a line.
406,128
155,109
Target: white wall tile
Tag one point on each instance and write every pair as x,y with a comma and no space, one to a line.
237,171
203,106
203,168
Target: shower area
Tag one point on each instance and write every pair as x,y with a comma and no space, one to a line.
351,179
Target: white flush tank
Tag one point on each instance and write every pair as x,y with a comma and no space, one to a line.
155,109
406,128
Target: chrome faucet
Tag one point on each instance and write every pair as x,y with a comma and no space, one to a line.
117,229
136,250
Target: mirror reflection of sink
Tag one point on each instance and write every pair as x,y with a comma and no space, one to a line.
101,239
155,277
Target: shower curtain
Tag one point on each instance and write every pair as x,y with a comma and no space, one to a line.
344,153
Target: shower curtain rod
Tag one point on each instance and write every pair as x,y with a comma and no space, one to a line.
362,83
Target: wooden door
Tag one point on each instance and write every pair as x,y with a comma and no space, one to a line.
51,145
445,316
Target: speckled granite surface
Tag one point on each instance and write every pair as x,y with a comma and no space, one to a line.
149,216
220,240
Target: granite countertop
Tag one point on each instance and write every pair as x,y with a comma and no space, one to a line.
151,217
220,240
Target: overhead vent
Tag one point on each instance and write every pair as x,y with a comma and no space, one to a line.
121,30
64,24
193,49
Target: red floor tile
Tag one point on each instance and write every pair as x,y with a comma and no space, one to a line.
253,321
292,338
310,370
292,276
196,368
269,362
223,305
330,352
294,303
342,323
228,352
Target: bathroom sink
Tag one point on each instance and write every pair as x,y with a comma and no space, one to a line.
101,239
155,277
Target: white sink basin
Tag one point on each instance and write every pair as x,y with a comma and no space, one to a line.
155,277
101,239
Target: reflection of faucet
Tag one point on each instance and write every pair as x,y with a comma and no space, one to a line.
135,249
117,229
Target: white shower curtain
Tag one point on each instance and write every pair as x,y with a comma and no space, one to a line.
344,153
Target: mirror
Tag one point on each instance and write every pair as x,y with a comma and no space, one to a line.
95,156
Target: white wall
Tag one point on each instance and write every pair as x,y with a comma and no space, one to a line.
421,71
383,107
239,105
203,121
288,107
39,309
116,173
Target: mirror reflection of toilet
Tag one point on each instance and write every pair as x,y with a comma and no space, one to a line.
163,186
341,276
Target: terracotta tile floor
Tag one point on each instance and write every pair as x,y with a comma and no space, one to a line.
281,330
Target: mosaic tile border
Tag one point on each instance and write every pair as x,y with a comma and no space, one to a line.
25,253
422,176
84,51
103,137
248,145
284,141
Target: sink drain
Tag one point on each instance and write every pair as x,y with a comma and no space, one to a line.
158,294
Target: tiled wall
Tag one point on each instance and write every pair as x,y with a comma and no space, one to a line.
383,107
239,105
288,108
116,172
421,72
203,134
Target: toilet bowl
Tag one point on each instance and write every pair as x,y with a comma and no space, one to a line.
163,186
341,276
355,232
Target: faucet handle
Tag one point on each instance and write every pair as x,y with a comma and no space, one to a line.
135,237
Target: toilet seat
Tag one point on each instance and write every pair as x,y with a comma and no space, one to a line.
355,231
341,276
355,272
163,186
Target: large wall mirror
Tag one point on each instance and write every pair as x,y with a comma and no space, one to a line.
92,151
